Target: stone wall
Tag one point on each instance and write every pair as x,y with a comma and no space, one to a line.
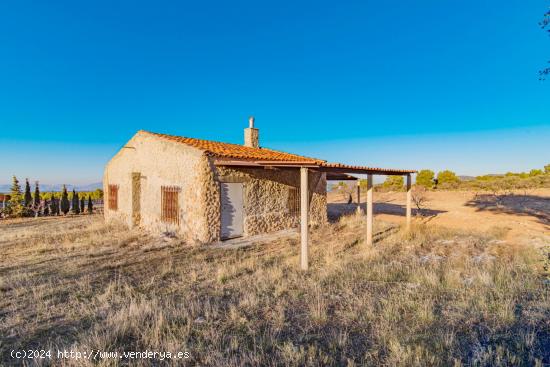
160,163
266,193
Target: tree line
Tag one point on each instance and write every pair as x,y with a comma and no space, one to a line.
448,180
26,204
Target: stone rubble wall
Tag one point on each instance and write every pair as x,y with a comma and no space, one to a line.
266,195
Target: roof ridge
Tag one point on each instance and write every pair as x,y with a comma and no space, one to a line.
198,139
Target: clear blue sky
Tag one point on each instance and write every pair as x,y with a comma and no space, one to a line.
407,84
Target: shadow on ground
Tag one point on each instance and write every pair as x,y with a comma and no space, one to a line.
537,207
337,210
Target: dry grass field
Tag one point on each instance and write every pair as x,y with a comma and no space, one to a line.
433,296
523,214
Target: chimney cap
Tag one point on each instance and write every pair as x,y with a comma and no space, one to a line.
251,122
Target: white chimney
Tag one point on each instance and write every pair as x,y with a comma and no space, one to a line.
251,135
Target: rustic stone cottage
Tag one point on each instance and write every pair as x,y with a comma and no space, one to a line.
207,191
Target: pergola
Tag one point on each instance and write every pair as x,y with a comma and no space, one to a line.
334,171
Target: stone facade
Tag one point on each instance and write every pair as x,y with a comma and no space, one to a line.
266,197
147,163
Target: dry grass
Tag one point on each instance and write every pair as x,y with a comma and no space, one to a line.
430,297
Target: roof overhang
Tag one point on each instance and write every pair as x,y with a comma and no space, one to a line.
340,177
330,168
365,170
262,164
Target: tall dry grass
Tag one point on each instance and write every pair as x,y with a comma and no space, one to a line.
429,297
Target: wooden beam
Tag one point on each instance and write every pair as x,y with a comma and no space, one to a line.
358,197
409,199
369,209
364,171
256,163
304,218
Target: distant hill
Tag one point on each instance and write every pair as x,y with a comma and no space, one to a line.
5,188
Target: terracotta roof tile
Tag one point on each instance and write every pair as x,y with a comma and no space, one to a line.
228,150
235,151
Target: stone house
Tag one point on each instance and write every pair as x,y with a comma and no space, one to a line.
206,191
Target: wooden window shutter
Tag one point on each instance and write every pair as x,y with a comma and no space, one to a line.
113,197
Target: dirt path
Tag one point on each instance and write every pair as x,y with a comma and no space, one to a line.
521,215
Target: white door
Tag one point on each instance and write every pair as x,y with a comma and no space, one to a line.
231,210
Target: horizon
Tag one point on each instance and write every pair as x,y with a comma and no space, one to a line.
456,89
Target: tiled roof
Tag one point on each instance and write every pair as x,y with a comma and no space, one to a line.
236,151
228,150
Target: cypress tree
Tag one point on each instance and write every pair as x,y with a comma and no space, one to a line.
27,199
53,210
36,194
15,207
55,207
90,205
64,204
46,208
76,203
82,204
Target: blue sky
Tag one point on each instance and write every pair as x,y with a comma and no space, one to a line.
424,84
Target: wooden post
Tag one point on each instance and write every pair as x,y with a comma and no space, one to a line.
304,218
409,199
369,209
358,197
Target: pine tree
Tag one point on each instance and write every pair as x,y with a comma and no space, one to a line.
425,178
15,207
394,183
90,205
76,203
64,204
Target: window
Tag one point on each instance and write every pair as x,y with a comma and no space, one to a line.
293,203
113,197
170,207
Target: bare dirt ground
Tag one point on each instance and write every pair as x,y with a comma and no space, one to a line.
523,216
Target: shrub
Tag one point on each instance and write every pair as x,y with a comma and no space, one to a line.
419,198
